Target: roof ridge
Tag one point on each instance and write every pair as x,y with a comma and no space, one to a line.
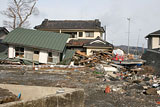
37,39
72,20
40,31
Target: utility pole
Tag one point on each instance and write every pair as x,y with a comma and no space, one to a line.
128,32
138,40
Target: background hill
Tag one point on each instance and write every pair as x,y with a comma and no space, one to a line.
133,49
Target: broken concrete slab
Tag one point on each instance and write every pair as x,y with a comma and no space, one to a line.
38,96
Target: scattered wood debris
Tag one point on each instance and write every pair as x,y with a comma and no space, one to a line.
98,56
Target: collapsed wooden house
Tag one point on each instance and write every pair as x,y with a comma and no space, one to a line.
39,46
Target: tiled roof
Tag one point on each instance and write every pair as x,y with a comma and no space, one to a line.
4,29
98,42
70,24
156,33
78,42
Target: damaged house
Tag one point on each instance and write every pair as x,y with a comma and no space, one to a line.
3,48
85,35
152,55
39,46
3,32
153,40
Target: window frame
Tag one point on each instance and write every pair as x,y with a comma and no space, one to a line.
89,34
19,52
50,57
54,57
80,34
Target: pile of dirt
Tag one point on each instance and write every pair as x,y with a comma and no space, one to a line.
6,96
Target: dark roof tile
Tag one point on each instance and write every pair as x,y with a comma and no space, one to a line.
98,42
4,29
70,24
156,33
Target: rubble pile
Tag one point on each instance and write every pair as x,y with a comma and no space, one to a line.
81,58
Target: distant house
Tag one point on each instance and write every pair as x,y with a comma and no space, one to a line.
3,48
3,32
33,45
152,54
78,29
82,32
153,40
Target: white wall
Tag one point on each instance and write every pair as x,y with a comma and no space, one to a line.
11,52
155,42
96,34
89,50
28,54
43,56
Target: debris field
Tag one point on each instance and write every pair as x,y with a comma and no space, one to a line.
138,90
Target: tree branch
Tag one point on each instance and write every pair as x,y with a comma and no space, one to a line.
31,10
14,18
18,9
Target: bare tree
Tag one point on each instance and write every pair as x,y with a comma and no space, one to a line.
18,12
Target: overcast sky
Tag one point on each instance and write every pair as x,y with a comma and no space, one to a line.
144,15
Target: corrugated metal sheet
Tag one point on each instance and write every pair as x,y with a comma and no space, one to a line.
4,55
68,56
37,39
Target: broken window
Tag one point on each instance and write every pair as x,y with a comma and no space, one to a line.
36,52
80,34
53,57
50,59
19,52
89,34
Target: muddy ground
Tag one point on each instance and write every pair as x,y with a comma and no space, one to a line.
92,82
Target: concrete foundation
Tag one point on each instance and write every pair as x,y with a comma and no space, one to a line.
36,96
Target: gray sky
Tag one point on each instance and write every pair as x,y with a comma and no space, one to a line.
144,15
